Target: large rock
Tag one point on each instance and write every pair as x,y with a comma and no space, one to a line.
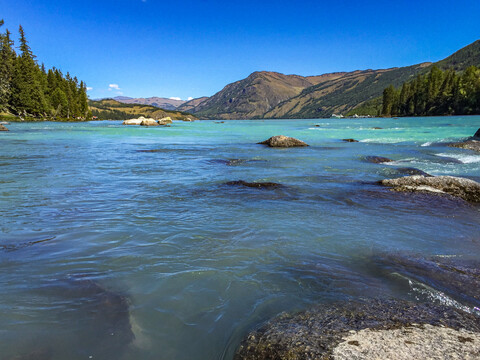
283,141
3,128
466,189
133,122
469,144
149,122
364,330
165,121
4,123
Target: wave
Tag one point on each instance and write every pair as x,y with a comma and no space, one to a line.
463,158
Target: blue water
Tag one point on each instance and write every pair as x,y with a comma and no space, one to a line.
201,262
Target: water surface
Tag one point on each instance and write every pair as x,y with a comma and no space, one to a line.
200,262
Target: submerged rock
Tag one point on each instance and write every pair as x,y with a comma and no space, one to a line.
349,140
412,171
258,185
377,159
469,145
3,128
39,354
377,128
283,141
368,329
466,189
456,276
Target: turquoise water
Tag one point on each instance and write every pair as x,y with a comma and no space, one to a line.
201,262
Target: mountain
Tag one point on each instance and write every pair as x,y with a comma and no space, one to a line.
273,95
463,58
110,109
192,104
342,94
254,96
163,103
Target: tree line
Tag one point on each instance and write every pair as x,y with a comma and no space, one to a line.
29,91
435,93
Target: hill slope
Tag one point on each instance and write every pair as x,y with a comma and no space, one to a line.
342,94
190,105
109,109
463,58
252,96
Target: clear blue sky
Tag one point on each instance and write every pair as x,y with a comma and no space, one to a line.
194,48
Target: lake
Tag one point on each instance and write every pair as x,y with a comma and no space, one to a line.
104,225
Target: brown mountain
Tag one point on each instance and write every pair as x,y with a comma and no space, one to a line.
254,96
342,94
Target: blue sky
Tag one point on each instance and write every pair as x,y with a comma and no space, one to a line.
143,48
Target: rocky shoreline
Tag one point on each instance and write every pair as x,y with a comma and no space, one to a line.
387,328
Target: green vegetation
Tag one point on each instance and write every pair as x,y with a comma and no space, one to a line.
435,93
29,92
109,109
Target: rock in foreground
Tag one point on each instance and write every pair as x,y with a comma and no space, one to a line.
367,330
283,142
466,189
3,128
477,134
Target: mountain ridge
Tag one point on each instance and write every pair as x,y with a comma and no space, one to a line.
267,94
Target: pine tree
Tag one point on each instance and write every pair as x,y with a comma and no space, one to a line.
388,100
27,95
7,62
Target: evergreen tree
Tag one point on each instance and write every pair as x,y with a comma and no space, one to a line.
388,100
27,96
7,62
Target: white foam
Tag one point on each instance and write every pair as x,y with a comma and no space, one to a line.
428,143
464,158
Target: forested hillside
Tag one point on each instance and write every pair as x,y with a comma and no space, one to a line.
28,91
436,93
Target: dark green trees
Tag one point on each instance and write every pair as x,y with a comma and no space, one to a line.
28,90
436,93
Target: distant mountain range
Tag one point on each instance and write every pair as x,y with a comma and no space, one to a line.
163,103
272,95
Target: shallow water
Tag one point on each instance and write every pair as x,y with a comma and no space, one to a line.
202,262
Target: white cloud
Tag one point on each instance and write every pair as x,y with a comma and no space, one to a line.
89,88
113,87
189,98
175,98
